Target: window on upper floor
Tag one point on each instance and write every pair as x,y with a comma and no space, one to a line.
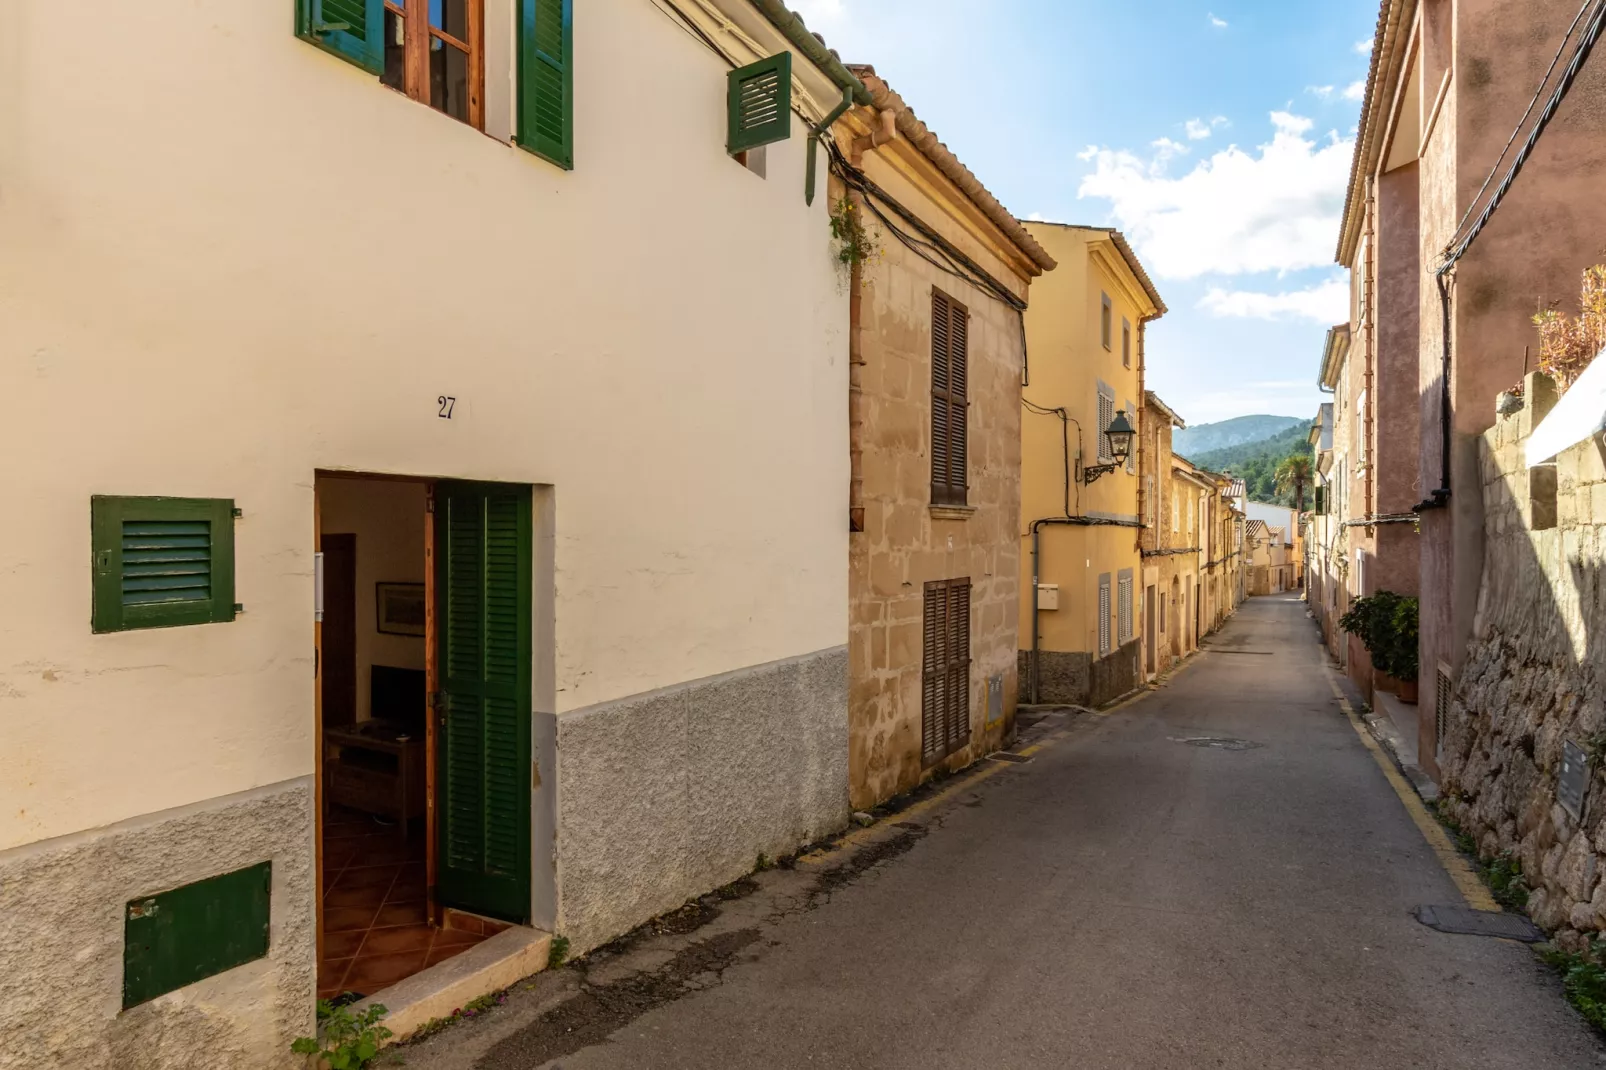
950,358
1105,312
436,52
1126,342
1106,417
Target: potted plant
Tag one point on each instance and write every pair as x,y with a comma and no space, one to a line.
1386,624
1403,650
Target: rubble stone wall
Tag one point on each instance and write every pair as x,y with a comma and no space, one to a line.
1534,675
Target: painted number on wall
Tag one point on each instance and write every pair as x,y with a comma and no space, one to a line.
447,404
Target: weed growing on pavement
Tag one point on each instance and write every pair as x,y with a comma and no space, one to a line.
1583,979
1502,874
472,1009
346,1041
558,952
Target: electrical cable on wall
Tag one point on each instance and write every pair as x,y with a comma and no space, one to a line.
1458,246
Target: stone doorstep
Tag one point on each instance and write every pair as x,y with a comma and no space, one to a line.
489,966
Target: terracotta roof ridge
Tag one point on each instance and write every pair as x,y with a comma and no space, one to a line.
922,138
1127,254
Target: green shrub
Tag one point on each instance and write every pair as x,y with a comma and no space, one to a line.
1583,979
346,1041
1386,624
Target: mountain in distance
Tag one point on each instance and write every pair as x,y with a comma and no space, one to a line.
1239,431
1256,462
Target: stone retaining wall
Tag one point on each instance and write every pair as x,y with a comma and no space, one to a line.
1533,675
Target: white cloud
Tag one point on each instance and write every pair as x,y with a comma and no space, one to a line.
1275,208
1039,217
1199,129
1326,302
1164,150
1355,90
1218,23
1325,92
1364,48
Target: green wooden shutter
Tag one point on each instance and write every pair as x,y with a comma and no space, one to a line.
352,29
546,80
161,562
178,937
758,103
483,570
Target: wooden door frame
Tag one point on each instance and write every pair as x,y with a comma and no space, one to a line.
432,908
431,716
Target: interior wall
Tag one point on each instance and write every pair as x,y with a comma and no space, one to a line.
387,516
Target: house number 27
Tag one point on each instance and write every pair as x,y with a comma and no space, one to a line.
446,405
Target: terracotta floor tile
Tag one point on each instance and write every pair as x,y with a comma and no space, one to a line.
400,938
368,975
405,892
371,895
338,919
393,914
368,876
457,938
439,954
342,945
336,853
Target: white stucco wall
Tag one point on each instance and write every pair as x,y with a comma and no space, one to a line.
228,260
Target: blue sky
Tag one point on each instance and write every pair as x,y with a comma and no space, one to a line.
1216,135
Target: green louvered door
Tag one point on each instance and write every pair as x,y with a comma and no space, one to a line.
482,587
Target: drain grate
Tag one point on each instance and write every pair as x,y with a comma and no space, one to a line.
1452,919
1216,742
1005,756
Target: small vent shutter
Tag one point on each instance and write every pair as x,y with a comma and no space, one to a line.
945,670
352,29
950,360
177,937
162,562
758,103
546,79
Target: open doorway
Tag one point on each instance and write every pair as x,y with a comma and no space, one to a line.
423,723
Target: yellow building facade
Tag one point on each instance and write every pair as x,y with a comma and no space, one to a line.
1080,503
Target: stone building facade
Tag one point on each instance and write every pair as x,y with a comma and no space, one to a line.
934,553
1532,690
1081,633
1448,84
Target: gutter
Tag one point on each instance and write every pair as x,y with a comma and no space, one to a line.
791,26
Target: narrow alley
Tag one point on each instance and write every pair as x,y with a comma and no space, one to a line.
1218,874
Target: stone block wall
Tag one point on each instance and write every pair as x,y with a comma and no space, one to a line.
1534,674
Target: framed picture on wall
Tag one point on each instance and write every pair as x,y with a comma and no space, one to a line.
400,608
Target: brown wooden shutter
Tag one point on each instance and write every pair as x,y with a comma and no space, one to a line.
958,664
945,670
950,359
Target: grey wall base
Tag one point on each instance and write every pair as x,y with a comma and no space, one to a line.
61,934
664,796
1076,678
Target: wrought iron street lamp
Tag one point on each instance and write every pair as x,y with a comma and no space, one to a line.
1120,435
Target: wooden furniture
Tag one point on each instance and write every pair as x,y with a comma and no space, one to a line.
377,767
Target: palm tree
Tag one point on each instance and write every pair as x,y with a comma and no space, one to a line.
1293,477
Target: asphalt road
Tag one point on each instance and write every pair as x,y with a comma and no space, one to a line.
1125,899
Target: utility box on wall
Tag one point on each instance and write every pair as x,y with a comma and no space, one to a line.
1048,596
